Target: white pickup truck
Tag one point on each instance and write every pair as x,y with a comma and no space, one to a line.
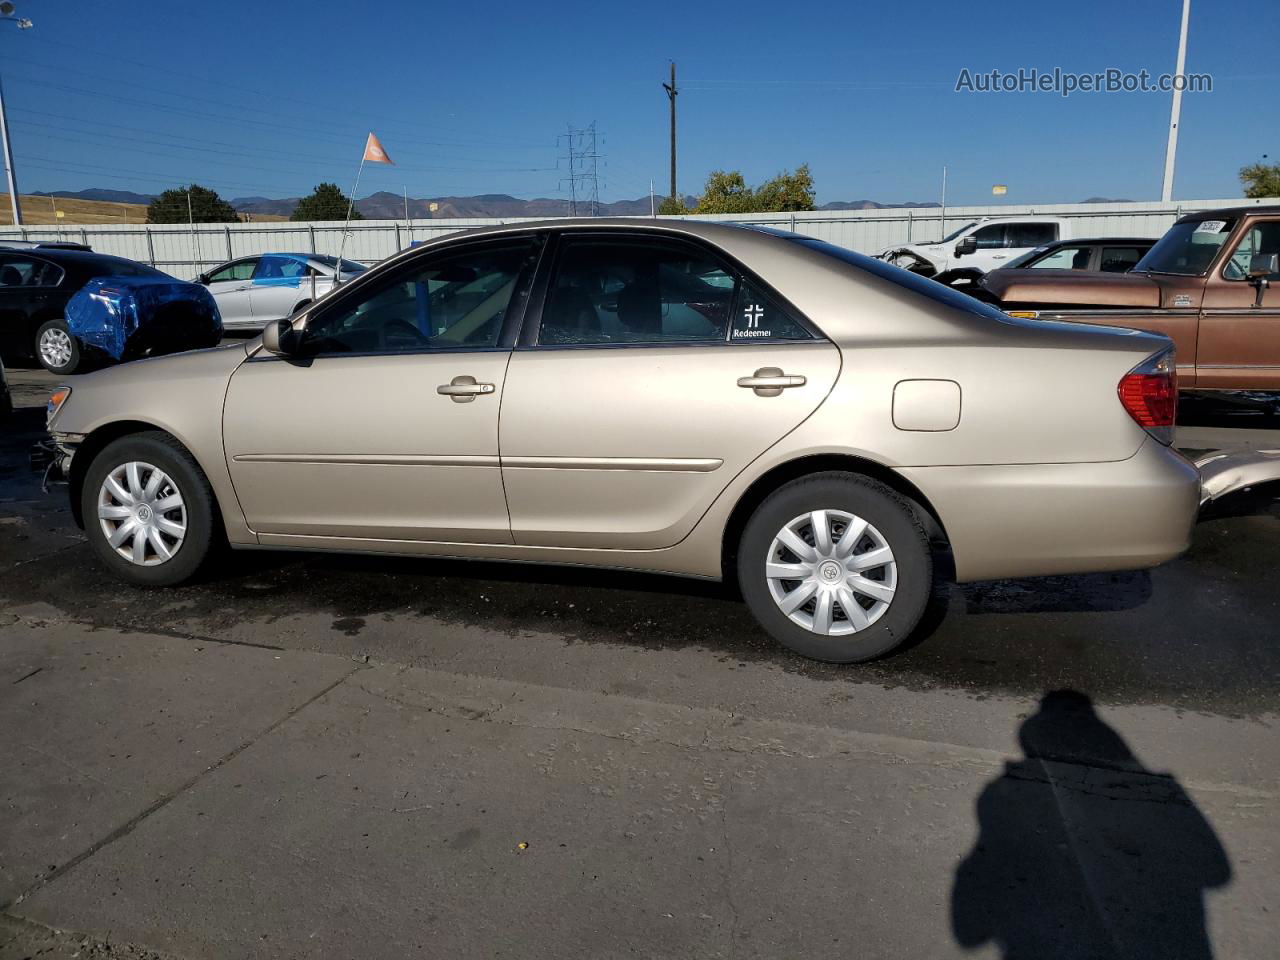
980,245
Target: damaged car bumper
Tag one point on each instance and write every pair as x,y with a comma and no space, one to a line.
1225,472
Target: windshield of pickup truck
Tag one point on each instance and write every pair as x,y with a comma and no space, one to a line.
1187,249
955,233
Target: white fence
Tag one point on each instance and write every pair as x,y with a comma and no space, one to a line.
185,251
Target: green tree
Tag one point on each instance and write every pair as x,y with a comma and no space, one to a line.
786,192
672,207
325,202
1261,180
726,192
205,207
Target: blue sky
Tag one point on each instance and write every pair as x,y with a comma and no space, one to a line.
270,98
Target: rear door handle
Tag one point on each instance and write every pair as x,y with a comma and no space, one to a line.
770,381
464,389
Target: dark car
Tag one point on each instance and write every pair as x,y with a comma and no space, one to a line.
1103,255
71,308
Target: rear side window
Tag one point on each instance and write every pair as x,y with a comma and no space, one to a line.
1120,259
28,272
1030,234
617,292
758,317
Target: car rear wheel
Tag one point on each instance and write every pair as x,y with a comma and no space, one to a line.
836,567
148,510
56,348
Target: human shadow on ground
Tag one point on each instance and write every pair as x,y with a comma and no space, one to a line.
1083,853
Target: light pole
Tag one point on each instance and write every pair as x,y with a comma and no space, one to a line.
1166,194
6,13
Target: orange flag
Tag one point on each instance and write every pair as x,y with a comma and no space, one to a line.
373,152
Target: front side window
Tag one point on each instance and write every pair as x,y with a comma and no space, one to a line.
1030,234
1188,248
240,270
1064,258
1262,239
453,300
28,272
990,237
641,291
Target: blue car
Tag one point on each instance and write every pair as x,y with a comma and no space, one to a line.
74,309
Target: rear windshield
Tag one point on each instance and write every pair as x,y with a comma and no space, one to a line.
348,266
925,287
120,267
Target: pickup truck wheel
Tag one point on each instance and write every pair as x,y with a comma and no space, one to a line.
56,347
836,567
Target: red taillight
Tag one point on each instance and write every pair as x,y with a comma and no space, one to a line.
1149,392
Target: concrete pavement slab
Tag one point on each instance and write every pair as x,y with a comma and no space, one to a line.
99,726
388,816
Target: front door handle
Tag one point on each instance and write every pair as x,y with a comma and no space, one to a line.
770,381
464,389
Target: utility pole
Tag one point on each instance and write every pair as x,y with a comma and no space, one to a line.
671,95
8,164
943,212
1171,151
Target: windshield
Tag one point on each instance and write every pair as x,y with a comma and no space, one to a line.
955,233
1187,249
1026,258
348,266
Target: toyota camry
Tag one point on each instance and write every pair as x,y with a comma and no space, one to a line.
690,398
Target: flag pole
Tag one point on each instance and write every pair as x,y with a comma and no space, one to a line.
351,202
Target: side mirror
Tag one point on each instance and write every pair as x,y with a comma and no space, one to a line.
966,246
278,337
203,279
1263,265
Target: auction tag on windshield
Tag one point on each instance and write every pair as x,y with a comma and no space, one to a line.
1210,226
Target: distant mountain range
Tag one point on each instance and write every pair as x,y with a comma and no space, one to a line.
390,206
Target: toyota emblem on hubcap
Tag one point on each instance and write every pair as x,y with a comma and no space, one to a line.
830,571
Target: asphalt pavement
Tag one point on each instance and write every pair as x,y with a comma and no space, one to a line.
309,755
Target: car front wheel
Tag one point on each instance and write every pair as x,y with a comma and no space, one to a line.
56,348
148,510
836,567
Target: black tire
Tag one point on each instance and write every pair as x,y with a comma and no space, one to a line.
203,528
76,355
889,514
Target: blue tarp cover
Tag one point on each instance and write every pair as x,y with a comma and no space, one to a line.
113,314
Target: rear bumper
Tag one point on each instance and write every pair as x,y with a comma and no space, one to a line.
1037,519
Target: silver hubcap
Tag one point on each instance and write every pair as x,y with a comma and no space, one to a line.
55,347
831,572
142,513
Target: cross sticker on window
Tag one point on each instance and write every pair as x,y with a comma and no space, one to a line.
752,315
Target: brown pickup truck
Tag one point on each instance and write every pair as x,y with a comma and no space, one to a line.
1207,283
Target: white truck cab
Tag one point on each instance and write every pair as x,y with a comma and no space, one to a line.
978,246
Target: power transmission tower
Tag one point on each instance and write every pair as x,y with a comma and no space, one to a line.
583,170
671,95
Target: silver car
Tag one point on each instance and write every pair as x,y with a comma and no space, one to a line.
689,398
253,291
